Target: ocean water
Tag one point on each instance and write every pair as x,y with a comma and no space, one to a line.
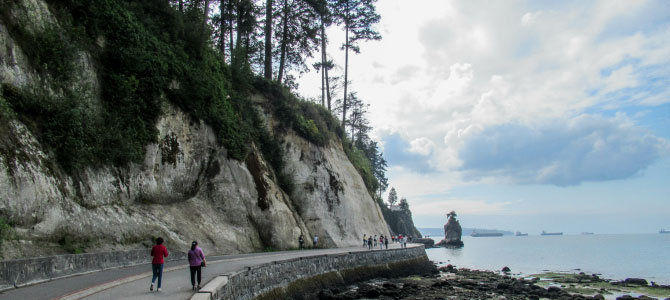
615,256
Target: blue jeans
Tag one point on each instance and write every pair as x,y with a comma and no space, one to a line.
158,272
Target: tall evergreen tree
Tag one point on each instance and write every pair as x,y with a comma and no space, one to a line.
268,39
296,34
379,168
404,205
393,197
358,17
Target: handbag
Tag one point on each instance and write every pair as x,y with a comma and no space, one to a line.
203,264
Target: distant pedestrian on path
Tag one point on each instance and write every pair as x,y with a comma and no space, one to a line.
386,242
159,252
370,243
365,241
404,241
375,240
196,260
315,240
381,242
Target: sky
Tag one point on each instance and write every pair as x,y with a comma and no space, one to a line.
521,115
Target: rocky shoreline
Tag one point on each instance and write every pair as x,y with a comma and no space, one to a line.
449,282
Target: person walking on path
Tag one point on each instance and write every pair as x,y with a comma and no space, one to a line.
370,243
375,240
159,252
301,241
404,241
381,242
315,240
386,242
196,260
365,241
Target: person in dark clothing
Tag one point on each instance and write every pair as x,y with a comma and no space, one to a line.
159,252
301,242
370,243
386,243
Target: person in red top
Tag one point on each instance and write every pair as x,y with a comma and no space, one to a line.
158,252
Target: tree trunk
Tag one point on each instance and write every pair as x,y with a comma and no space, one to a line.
268,39
205,17
222,29
323,86
230,29
346,65
324,60
240,32
282,58
181,5
323,66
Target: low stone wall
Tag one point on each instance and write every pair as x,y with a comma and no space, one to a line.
284,279
20,272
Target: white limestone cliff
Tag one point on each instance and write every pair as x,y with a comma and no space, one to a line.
186,189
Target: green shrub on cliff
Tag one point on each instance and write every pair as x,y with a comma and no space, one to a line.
6,231
307,119
147,52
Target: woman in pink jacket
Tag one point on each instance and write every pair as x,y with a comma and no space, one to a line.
196,260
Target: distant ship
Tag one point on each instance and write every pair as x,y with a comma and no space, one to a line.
518,233
485,234
551,233
587,233
663,231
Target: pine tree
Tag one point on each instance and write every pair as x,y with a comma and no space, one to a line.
393,197
358,17
296,34
404,205
268,39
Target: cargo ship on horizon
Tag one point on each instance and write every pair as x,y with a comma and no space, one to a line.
550,233
485,234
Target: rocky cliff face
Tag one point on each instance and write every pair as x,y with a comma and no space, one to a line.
452,233
400,222
186,189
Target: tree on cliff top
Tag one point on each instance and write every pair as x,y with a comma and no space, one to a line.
452,215
404,205
393,197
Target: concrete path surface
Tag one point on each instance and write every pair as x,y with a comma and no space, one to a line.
133,282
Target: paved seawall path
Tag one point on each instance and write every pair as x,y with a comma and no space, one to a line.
133,282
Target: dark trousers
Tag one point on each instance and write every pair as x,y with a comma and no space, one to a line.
195,270
157,270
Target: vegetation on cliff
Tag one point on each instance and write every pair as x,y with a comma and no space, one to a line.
399,217
148,52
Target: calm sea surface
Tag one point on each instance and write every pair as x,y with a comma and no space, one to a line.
615,256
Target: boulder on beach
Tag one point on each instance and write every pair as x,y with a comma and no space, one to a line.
637,281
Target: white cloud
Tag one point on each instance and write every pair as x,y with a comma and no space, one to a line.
474,71
422,146
529,18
